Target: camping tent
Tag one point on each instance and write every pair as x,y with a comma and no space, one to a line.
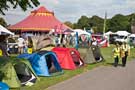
16,72
44,63
88,56
97,53
4,86
3,30
69,58
40,42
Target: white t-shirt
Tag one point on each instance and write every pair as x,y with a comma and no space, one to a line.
95,43
20,42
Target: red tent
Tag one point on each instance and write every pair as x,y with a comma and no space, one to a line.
69,58
40,20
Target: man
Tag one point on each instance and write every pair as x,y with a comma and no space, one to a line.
116,54
125,51
20,45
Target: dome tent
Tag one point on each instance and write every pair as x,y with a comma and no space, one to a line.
18,71
97,53
88,56
4,86
69,58
44,63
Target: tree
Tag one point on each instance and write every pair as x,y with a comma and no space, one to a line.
83,22
97,22
24,4
119,22
68,24
3,22
132,19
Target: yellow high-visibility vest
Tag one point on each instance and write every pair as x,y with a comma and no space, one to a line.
116,52
125,48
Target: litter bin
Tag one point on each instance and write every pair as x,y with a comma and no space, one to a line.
30,50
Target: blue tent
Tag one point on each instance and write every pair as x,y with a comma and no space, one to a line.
44,63
4,86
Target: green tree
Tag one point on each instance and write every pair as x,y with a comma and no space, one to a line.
97,22
132,19
83,22
69,24
119,22
3,22
24,4
75,26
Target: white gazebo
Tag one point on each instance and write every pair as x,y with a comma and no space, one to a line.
122,33
3,30
108,33
80,32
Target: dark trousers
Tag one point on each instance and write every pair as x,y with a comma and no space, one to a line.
124,60
116,61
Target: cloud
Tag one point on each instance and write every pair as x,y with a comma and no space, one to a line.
72,10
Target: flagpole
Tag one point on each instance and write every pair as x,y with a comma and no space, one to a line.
104,29
61,41
105,19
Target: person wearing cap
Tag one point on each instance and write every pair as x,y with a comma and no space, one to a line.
125,52
116,54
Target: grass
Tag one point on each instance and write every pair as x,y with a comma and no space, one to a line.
49,81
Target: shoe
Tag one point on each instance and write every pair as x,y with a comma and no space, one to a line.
123,65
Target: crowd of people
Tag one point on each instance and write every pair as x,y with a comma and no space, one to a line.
66,40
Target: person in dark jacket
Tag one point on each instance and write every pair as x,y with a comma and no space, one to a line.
3,45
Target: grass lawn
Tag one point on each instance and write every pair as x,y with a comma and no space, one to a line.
49,81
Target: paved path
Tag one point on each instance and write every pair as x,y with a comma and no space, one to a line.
102,78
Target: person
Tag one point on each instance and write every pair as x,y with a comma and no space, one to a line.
3,45
83,39
94,42
57,41
125,52
64,41
20,45
25,47
116,54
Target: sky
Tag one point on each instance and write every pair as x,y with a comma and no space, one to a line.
72,10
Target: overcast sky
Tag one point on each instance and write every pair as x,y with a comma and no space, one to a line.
72,10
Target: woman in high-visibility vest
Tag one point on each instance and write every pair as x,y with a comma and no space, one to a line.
125,51
116,54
